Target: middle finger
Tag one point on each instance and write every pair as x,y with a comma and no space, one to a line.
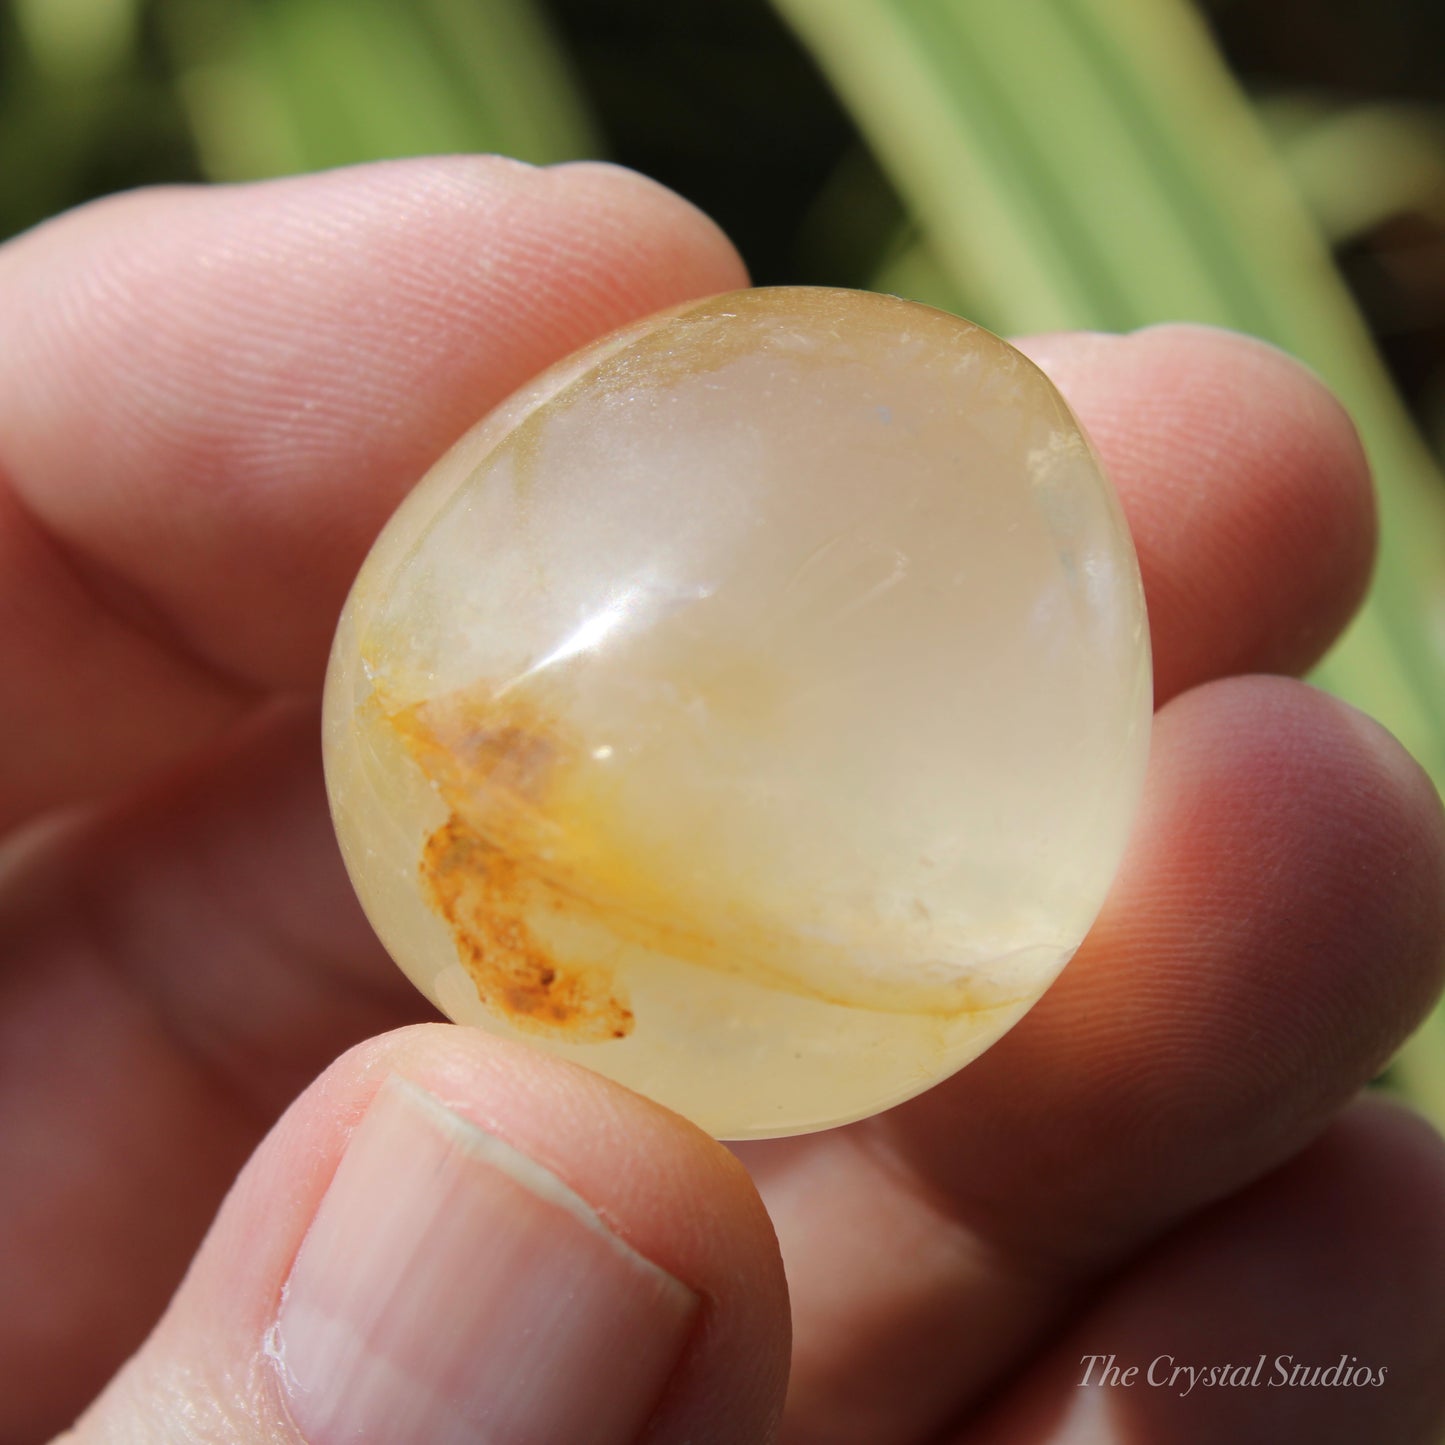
1274,933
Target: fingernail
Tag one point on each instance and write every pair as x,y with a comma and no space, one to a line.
451,1289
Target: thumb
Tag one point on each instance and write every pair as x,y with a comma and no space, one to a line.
449,1238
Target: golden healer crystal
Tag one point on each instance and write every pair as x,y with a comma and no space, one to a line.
752,710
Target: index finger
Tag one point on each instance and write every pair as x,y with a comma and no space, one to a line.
210,400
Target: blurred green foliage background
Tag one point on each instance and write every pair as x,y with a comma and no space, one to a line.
1272,165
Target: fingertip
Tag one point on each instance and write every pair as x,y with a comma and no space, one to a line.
1275,932
1296,419
1245,484
1278,808
451,1232
1401,1156
1403,777
580,1124
695,256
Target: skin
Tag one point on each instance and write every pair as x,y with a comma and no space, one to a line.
209,403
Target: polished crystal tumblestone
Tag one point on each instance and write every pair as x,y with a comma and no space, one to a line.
752,710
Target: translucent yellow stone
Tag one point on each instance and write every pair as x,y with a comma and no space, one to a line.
753,709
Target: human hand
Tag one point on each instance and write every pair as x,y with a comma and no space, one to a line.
209,402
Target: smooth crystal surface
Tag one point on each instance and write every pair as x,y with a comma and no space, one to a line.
753,709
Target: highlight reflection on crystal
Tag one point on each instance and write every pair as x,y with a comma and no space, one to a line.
753,709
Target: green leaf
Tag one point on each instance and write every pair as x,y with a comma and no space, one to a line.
279,86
